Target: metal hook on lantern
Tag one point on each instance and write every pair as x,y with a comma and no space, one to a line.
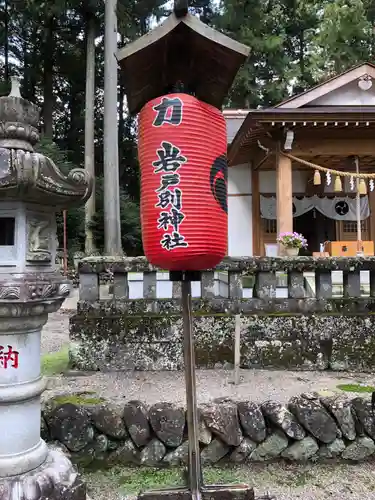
180,8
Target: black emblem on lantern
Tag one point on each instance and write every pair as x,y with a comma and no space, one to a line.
218,181
341,208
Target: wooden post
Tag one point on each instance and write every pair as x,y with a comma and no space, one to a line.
371,197
112,227
90,130
284,196
237,348
255,207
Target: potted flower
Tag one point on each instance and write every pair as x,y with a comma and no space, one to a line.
292,242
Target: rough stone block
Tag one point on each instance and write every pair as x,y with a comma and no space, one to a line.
301,450
353,344
287,342
279,415
352,284
323,284
271,448
252,421
89,287
168,422
296,285
265,285
360,449
314,417
222,419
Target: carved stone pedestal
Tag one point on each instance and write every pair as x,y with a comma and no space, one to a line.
55,479
25,302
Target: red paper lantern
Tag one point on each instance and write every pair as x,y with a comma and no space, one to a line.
184,211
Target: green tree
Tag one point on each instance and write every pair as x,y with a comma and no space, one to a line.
256,24
130,222
345,35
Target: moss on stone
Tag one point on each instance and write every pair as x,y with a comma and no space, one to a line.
83,399
55,363
356,388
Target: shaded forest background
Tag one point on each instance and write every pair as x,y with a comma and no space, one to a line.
294,44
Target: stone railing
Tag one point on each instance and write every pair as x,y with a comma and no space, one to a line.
261,278
309,427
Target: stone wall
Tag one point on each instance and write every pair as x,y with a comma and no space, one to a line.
310,328
308,428
285,334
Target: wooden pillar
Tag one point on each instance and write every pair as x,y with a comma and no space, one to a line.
371,199
284,196
255,207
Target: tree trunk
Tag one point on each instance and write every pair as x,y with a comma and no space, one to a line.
48,77
6,47
112,227
121,120
89,129
26,63
302,57
33,64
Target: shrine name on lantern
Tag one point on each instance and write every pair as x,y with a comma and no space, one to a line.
170,160
8,357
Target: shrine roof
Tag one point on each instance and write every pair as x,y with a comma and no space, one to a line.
180,49
341,101
329,85
269,123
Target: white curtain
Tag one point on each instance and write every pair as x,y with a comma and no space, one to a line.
338,208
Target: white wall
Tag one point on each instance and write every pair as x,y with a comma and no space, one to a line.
233,125
267,181
348,95
240,228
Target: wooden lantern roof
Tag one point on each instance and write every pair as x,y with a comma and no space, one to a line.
181,49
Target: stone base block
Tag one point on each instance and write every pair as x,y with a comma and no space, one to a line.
281,340
55,479
220,492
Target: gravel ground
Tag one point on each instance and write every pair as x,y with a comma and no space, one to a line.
152,387
56,332
281,481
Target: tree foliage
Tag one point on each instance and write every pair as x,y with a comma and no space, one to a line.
294,44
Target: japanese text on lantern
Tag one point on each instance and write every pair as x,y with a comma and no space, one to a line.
170,159
8,358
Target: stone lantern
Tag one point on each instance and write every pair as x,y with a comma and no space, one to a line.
32,189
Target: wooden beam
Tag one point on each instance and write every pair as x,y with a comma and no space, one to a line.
260,160
371,196
284,196
255,206
339,147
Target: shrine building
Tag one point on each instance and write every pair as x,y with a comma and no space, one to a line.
331,125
